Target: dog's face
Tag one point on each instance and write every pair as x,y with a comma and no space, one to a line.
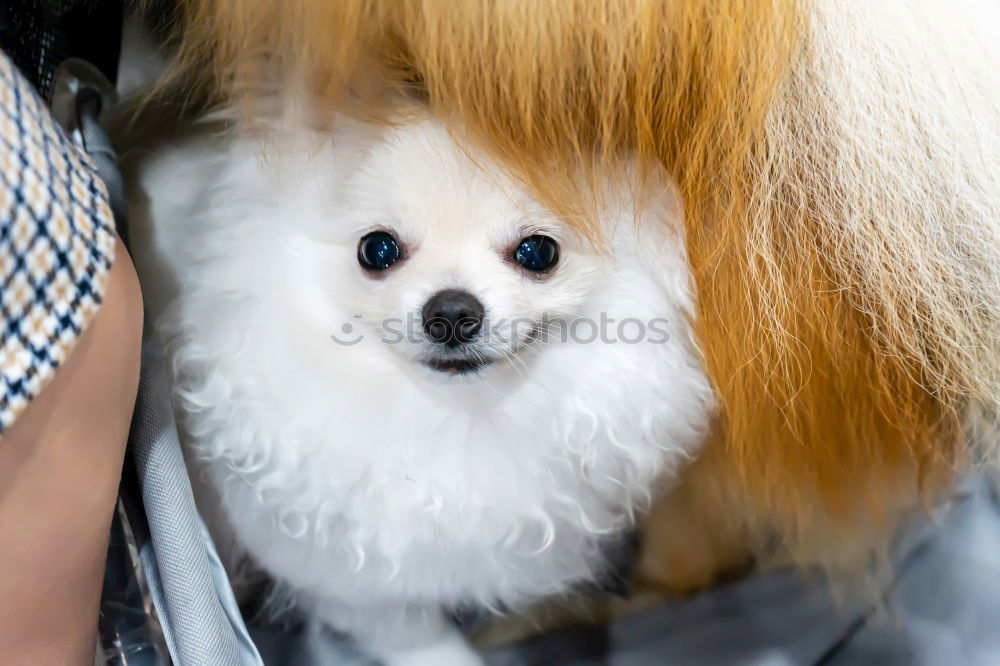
441,261
359,346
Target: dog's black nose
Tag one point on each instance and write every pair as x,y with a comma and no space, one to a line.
453,317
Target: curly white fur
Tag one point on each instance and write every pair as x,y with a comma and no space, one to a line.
380,491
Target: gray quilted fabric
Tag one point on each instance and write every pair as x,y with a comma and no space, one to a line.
191,595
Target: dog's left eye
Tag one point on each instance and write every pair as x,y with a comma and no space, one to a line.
537,253
378,251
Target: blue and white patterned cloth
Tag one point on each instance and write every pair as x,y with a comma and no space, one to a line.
57,243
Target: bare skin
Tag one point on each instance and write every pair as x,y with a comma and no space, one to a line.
60,464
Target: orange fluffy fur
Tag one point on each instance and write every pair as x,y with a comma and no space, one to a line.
844,350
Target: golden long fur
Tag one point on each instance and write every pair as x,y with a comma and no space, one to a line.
838,160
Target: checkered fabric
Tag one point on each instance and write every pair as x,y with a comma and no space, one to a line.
57,243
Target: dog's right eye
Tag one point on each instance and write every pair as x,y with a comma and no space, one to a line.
378,251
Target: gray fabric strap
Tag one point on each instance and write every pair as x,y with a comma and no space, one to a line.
200,620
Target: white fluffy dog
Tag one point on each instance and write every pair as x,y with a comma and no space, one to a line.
409,386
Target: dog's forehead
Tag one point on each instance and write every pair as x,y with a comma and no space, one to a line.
440,190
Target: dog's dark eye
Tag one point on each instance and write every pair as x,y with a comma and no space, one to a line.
537,253
378,251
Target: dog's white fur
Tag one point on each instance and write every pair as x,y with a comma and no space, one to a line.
383,493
